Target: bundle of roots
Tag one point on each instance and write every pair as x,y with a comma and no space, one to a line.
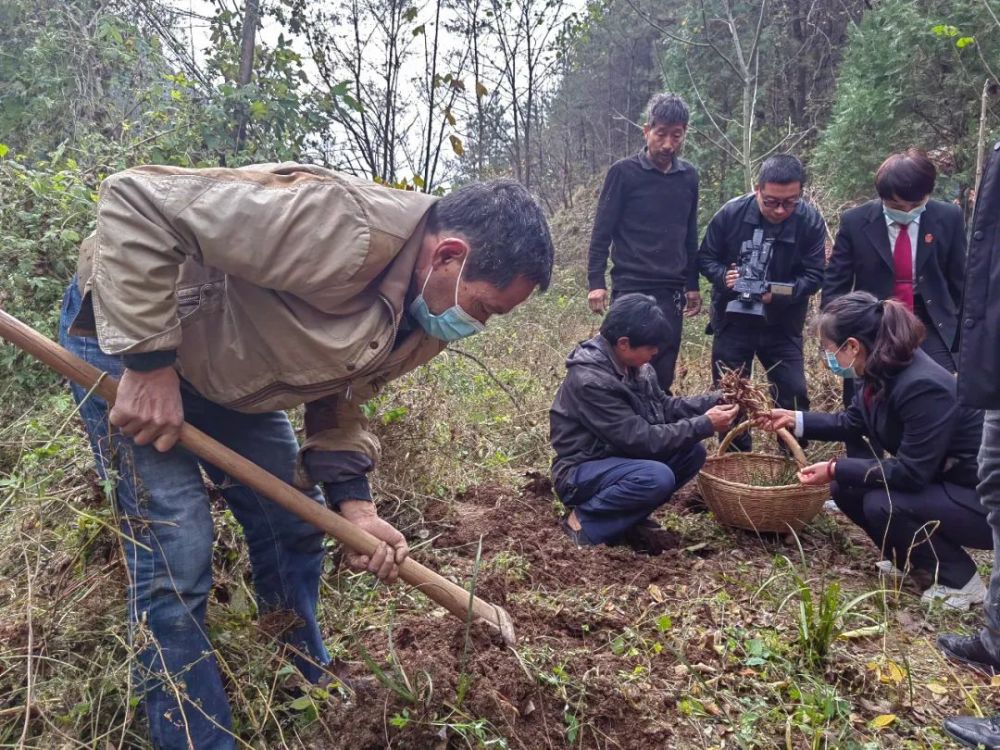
753,399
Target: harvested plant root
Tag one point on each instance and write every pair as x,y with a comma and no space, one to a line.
754,400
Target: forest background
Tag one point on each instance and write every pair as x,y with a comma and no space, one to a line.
429,95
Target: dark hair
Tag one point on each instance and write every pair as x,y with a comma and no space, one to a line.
638,318
781,169
889,332
909,176
667,109
506,229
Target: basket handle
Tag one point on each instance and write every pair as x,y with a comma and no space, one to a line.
785,435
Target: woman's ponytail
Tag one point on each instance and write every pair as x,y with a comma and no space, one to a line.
898,336
889,332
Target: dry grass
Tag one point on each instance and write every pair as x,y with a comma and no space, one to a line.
722,668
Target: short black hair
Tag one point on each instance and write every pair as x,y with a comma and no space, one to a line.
909,175
781,169
506,229
667,109
638,318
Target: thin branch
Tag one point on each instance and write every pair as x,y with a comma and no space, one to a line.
514,400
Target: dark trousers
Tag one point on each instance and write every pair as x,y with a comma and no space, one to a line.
779,351
672,302
927,529
937,350
614,494
989,495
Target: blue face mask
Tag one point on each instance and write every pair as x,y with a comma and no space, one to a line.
903,217
838,369
451,325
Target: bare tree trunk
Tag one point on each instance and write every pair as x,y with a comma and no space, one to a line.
251,17
981,143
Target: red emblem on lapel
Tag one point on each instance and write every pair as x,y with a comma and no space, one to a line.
928,238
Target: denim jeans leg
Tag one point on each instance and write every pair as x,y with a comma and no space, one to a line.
286,553
614,494
989,495
167,536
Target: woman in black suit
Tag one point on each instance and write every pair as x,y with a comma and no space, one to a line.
920,505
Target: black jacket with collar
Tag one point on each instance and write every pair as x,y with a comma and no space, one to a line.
798,258
602,411
979,355
917,420
862,260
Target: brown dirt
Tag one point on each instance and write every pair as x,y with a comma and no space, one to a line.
529,714
569,606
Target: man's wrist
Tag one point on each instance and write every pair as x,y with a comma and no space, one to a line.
149,361
357,508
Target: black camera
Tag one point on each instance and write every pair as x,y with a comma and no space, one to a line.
752,284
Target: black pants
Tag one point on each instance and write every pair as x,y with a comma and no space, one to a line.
672,302
928,528
937,350
779,351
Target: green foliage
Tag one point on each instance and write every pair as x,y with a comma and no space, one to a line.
912,76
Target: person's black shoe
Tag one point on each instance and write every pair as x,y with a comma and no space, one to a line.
577,537
969,650
973,732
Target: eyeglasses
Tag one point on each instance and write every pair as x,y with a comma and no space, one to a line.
788,204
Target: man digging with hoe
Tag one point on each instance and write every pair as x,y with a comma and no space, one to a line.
222,297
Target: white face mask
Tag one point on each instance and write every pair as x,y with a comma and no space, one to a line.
904,217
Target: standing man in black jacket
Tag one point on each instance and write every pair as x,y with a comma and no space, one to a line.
798,236
648,216
979,386
924,266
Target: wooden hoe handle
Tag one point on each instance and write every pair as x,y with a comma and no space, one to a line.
449,595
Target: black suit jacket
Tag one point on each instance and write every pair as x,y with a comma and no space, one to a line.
918,420
862,261
979,358
799,256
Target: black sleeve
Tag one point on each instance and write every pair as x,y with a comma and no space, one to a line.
839,426
343,474
955,264
712,254
927,411
609,209
609,416
838,279
813,245
676,407
692,242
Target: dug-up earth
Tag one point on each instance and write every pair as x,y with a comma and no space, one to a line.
697,648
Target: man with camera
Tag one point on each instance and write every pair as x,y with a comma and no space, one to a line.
764,253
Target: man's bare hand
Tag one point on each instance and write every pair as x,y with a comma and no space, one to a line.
148,407
597,301
731,275
692,305
392,548
722,416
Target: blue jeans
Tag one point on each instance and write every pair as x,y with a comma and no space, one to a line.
166,523
614,494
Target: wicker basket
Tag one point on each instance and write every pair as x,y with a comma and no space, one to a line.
723,483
